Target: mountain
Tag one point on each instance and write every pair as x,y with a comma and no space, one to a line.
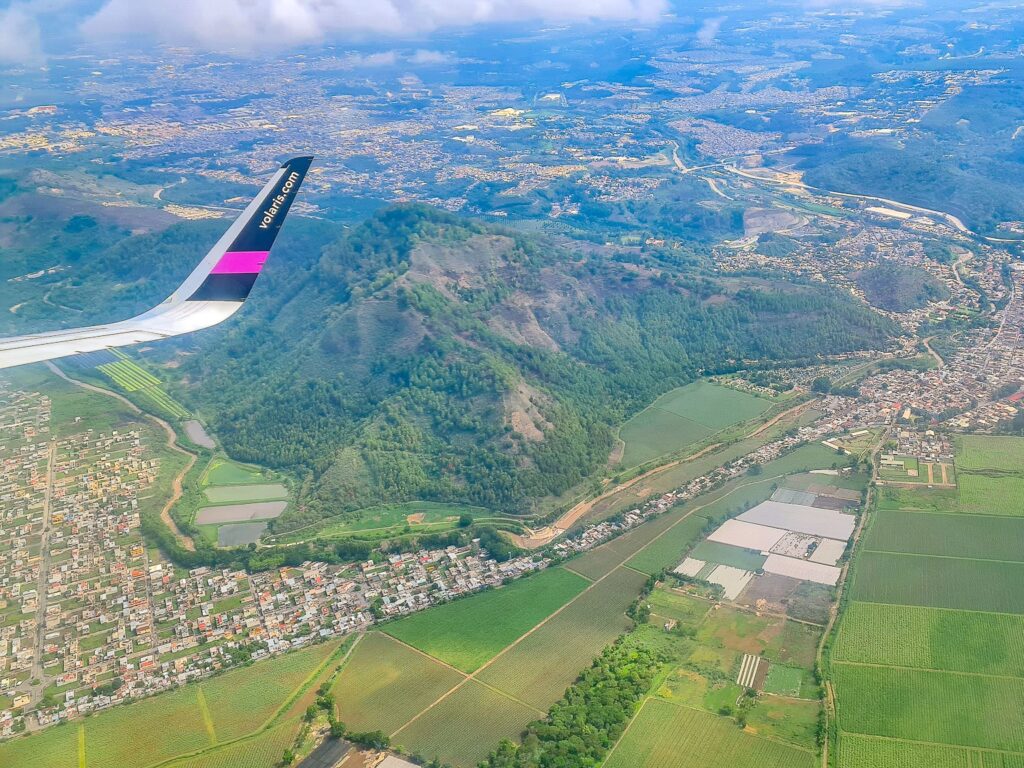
427,356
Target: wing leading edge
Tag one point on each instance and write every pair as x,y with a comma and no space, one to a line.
212,293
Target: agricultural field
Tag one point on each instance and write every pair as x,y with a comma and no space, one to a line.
385,684
541,666
195,717
936,707
982,538
939,582
929,638
239,500
725,554
668,549
131,377
261,751
468,632
988,452
873,752
991,495
683,417
930,651
666,735
464,727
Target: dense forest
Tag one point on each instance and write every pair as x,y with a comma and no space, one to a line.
899,287
426,356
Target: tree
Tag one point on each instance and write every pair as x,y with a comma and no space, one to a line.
821,385
288,757
465,520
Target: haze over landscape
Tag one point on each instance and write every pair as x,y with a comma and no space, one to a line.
634,384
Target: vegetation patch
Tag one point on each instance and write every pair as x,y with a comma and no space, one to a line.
982,538
666,735
862,751
468,632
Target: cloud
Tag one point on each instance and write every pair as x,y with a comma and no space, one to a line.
258,24
382,59
709,30
429,58
20,36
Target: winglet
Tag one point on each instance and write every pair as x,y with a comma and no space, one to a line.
233,265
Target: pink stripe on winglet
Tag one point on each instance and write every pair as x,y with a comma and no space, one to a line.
240,262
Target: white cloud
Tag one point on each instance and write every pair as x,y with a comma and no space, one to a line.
427,58
382,59
257,24
709,30
20,38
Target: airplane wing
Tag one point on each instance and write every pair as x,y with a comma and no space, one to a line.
212,293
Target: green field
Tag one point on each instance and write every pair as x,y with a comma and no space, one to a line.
665,735
937,707
229,494
874,752
667,551
385,684
918,499
237,703
131,377
794,721
226,472
683,417
388,519
261,751
939,582
987,452
724,554
991,495
931,638
463,728
953,535
784,680
672,605
540,668
468,632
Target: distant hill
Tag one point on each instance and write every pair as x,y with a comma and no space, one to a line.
426,356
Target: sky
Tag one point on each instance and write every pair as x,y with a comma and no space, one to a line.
261,25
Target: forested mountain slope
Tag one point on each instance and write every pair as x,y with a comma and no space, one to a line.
424,356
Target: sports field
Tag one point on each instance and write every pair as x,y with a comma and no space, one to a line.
683,417
467,632
930,652
666,735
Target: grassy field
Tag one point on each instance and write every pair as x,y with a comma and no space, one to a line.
918,499
793,721
939,582
389,519
930,638
683,417
237,703
937,707
229,494
665,735
540,668
784,680
223,471
991,495
466,726
131,377
672,605
987,452
983,538
468,632
261,751
385,684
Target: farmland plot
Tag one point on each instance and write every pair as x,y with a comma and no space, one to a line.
467,632
929,638
974,452
463,728
984,538
875,752
665,735
936,707
939,582
991,494
540,668
385,684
